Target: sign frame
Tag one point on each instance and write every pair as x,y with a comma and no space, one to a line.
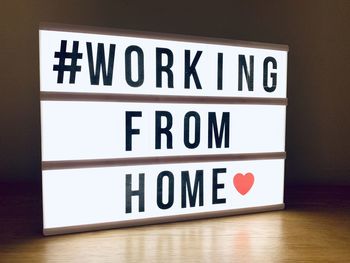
73,96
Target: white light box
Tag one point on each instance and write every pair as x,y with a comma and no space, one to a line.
141,128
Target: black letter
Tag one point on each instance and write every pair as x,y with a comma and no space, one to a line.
166,130
213,127
192,195
164,68
217,186
220,60
273,75
160,203
129,131
197,130
190,69
101,62
129,193
140,72
248,75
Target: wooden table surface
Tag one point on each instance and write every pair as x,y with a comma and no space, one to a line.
315,227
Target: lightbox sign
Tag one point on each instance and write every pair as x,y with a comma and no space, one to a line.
141,128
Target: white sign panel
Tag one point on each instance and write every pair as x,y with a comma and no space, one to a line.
99,130
152,191
142,128
133,65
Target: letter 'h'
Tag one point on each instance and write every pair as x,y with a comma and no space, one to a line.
129,193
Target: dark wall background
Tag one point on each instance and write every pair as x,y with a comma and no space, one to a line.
317,32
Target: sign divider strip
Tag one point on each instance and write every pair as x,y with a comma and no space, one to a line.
90,163
111,97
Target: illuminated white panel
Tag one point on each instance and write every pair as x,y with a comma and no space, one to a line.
75,197
92,130
84,124
207,66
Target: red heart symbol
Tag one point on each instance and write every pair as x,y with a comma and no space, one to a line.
243,183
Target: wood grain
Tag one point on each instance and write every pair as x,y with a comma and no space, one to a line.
315,227
159,220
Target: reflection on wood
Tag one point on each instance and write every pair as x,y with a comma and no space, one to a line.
314,227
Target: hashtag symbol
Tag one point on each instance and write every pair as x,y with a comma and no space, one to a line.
62,55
